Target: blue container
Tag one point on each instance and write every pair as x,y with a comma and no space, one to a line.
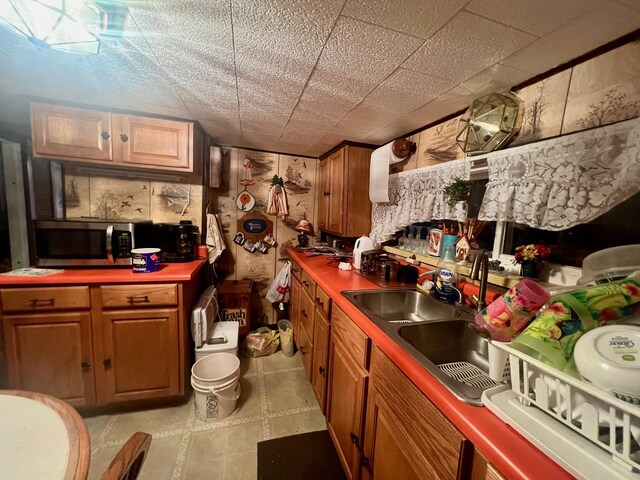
145,260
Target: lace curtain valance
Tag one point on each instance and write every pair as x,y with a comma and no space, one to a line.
566,181
417,196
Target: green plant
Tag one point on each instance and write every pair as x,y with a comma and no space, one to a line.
458,190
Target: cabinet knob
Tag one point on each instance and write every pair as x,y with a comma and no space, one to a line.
355,440
321,370
124,137
366,463
319,302
106,362
85,365
305,283
304,313
302,350
105,135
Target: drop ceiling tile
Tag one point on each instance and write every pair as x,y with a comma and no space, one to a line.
404,90
190,21
494,79
265,128
293,138
308,128
292,149
277,45
465,46
420,18
605,23
539,18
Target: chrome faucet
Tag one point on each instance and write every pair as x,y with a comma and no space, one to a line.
481,260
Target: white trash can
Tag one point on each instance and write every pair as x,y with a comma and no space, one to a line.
215,380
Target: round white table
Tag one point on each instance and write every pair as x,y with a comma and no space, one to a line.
41,437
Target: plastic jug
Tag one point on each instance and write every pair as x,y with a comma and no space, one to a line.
363,244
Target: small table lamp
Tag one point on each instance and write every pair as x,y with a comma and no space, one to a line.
305,228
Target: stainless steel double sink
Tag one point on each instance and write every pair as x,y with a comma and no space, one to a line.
439,336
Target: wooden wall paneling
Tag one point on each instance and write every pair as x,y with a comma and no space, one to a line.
257,266
544,103
116,198
604,90
438,144
299,174
76,196
172,202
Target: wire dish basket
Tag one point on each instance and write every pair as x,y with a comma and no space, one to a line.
610,423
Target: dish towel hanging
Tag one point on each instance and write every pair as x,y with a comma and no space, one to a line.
277,202
214,240
559,183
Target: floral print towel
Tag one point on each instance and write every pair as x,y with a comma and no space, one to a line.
552,336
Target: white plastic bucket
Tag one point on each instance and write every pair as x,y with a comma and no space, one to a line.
286,337
215,380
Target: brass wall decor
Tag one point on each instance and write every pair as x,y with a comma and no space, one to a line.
489,123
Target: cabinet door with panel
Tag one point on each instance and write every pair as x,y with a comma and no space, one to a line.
294,308
51,353
335,222
321,331
345,406
324,172
140,351
412,443
66,132
154,142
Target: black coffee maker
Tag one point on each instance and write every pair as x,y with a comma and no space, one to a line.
176,241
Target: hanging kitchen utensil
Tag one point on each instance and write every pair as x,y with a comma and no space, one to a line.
245,201
277,199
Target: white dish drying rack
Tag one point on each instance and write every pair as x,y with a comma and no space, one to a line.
610,423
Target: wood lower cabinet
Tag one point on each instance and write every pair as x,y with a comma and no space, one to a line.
294,309
83,135
321,331
51,353
406,435
117,343
67,132
344,208
130,372
346,405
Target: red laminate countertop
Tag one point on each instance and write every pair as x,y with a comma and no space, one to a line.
512,454
168,272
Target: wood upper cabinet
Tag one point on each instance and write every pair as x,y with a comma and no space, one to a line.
412,443
51,353
140,355
82,135
344,208
154,142
323,194
66,132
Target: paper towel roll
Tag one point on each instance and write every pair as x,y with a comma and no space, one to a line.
381,158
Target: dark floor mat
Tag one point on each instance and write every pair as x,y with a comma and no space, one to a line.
309,456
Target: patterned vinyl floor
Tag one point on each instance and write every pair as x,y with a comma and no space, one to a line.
276,401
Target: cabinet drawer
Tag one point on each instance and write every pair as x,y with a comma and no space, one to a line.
306,350
323,301
296,270
117,296
49,298
308,284
346,332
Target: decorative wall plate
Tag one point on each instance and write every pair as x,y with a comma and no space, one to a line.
245,201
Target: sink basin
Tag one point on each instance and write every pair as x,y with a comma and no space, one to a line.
400,306
448,342
435,334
